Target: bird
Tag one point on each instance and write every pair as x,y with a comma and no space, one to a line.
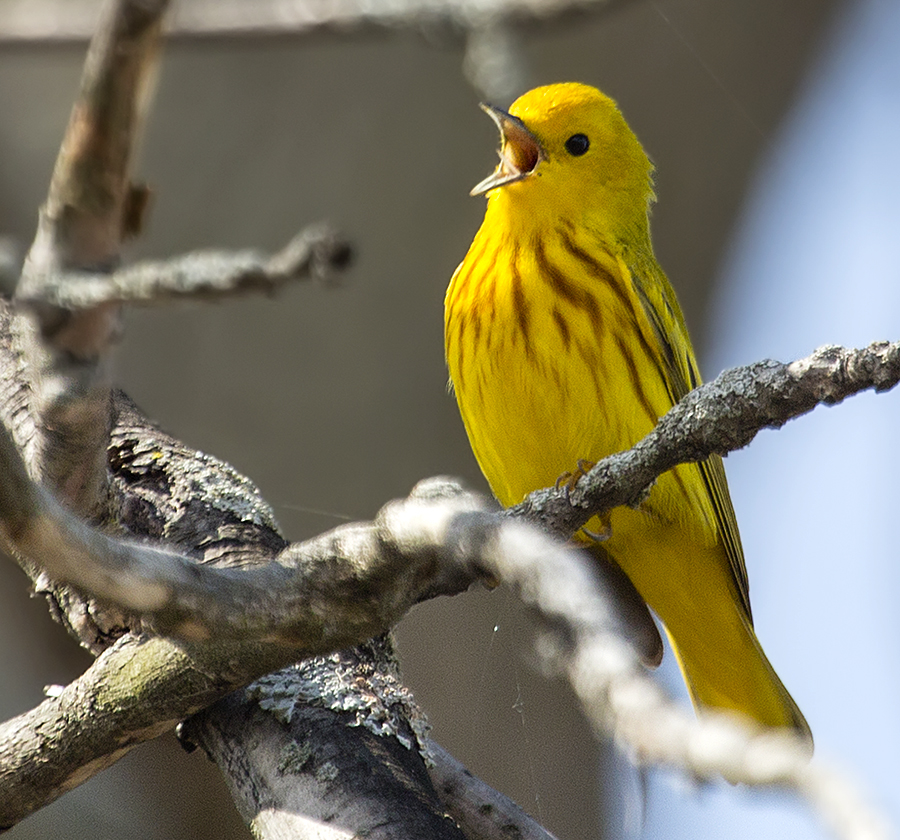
565,343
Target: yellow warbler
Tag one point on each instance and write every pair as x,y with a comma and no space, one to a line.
565,343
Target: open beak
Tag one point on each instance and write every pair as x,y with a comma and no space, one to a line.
520,152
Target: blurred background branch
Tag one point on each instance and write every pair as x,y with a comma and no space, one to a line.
75,20
492,62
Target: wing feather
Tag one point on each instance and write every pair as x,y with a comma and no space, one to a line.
664,313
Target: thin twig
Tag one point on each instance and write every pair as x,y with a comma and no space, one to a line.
317,252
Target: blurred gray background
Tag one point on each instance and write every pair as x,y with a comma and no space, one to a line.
334,400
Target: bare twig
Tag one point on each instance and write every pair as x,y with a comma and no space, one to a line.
315,253
91,199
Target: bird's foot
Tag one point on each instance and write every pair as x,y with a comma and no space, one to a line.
570,478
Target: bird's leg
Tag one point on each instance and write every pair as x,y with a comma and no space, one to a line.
567,482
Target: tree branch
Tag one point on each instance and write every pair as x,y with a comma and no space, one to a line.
314,253
81,226
135,691
66,20
581,631
389,799
481,811
319,596
58,405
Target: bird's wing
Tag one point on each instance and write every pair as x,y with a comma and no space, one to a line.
664,313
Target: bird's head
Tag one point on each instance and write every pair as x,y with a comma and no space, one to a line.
566,151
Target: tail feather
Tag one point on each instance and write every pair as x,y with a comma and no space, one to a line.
727,669
692,589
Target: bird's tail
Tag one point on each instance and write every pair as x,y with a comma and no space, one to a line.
725,668
690,583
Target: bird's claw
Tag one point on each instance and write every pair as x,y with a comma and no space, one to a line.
598,536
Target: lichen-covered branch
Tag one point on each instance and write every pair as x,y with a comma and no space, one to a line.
392,798
428,544
135,691
319,596
604,670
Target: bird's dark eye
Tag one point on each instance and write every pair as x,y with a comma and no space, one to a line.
577,145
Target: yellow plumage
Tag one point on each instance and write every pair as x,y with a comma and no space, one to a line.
565,341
